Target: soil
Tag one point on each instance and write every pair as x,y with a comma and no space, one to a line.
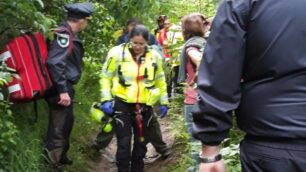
104,161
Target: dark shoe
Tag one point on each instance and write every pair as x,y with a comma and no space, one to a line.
66,161
57,168
151,159
166,154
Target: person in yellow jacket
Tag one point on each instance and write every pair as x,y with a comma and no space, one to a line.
132,82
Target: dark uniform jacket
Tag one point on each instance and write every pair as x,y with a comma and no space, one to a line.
254,63
65,58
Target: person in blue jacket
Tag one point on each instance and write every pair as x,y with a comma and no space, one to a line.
124,38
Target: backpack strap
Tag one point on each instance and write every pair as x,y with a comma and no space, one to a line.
120,58
39,59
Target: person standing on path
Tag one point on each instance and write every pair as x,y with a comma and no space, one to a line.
193,29
132,81
65,66
155,136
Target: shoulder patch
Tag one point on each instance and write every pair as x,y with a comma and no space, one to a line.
62,39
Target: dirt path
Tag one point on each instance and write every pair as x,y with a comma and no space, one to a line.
105,161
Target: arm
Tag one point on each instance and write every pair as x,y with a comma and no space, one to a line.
107,74
160,81
219,78
56,63
195,56
211,151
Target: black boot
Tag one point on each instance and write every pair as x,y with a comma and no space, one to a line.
65,160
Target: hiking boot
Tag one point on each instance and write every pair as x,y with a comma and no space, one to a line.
66,161
57,168
151,159
166,154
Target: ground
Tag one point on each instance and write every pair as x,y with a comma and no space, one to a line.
105,161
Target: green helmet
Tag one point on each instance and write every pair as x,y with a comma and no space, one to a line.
96,114
100,118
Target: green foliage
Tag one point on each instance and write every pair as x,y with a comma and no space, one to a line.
8,135
181,143
175,9
20,15
98,36
27,153
230,153
126,9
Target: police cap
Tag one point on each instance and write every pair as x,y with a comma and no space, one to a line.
79,10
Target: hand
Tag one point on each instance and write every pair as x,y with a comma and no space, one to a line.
64,99
107,108
218,166
163,111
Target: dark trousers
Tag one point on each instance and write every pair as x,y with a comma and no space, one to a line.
155,136
284,155
59,127
125,126
172,81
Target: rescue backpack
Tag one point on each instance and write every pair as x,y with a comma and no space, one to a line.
27,56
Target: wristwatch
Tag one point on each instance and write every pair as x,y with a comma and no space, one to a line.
209,159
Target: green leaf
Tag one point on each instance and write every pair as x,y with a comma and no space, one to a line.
40,3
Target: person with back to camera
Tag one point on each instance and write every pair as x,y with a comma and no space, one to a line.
263,43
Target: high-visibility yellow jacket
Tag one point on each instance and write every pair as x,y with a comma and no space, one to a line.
133,82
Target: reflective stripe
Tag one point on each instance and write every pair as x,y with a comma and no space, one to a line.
159,76
4,56
14,88
108,74
106,94
164,100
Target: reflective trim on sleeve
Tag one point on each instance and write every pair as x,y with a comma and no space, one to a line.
108,74
159,76
164,100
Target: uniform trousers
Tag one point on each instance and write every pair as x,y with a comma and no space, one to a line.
273,155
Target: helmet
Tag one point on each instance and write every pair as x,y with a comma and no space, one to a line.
96,114
161,18
100,118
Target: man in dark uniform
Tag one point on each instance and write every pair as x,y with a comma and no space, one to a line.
65,66
255,63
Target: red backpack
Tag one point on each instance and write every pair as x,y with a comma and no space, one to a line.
27,55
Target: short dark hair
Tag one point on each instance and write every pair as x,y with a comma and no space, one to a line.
71,19
193,24
140,30
133,21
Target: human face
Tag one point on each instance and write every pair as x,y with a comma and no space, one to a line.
167,24
138,44
130,27
83,24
